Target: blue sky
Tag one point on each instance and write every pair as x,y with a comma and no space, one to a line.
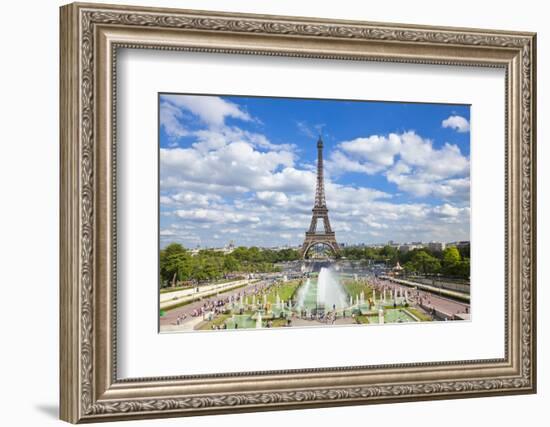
242,169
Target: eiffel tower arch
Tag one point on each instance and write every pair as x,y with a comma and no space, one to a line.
314,237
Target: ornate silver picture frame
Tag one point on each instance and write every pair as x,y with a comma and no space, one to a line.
91,36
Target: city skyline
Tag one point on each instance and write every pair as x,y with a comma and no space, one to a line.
243,169
396,244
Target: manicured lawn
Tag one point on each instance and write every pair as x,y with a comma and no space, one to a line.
206,296
354,288
424,317
277,323
177,288
362,319
178,305
284,290
218,321
220,281
216,282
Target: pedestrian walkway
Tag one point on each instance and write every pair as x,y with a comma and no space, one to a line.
453,294
188,325
170,299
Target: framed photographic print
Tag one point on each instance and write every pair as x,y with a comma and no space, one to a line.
265,212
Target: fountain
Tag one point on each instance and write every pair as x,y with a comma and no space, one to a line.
325,293
317,299
259,320
302,293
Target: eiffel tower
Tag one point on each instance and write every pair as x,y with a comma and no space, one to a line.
320,211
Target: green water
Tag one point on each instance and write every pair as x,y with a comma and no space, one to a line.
396,316
243,321
307,294
310,295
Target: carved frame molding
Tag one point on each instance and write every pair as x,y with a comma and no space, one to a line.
90,37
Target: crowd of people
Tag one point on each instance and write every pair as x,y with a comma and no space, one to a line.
210,308
423,299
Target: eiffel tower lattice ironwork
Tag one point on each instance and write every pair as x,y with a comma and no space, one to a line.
320,212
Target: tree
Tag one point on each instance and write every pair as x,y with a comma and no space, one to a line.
390,253
464,251
230,264
173,262
285,255
371,253
184,267
177,264
353,253
451,255
463,269
424,263
409,268
451,261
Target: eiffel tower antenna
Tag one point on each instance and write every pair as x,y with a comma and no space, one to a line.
320,212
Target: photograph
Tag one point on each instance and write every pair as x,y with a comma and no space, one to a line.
297,212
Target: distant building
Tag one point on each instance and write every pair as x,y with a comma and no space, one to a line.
227,249
406,247
436,246
460,244
282,247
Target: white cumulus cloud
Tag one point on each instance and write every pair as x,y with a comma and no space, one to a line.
458,123
230,183
375,149
212,110
407,160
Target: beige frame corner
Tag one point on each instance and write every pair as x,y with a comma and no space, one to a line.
90,36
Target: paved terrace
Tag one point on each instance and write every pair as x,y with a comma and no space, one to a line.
168,321
429,300
436,289
170,299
